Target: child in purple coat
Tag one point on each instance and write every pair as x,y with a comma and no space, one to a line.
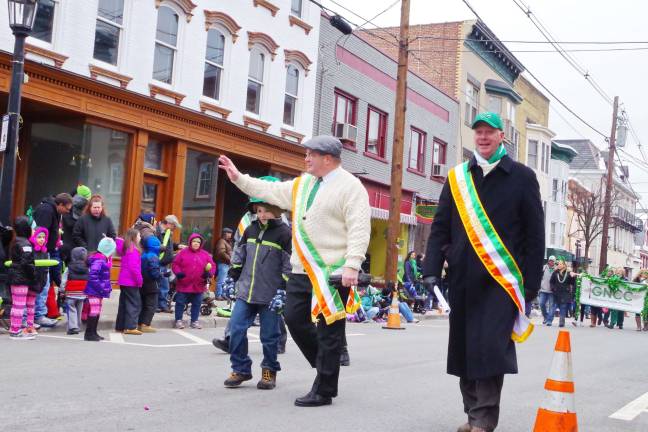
130,283
98,286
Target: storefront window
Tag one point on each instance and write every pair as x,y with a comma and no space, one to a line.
64,155
153,155
199,203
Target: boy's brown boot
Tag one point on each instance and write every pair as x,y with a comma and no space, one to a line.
268,380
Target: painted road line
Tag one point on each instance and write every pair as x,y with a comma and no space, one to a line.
128,343
633,409
115,337
191,337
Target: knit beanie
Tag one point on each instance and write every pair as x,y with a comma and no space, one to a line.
84,191
107,246
147,217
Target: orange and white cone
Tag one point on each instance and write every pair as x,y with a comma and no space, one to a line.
558,411
393,318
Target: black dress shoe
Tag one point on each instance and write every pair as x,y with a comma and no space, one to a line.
221,344
313,400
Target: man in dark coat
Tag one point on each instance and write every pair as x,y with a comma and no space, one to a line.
480,348
48,215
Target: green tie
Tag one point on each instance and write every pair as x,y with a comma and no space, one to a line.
313,192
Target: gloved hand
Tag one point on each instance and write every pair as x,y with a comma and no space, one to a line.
180,275
430,282
278,301
229,288
167,273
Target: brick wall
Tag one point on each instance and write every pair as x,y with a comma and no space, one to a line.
434,60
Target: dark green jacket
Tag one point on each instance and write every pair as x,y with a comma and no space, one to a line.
261,261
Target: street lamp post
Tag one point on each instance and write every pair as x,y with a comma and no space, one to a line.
21,20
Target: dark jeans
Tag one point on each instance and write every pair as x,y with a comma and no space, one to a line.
149,304
564,307
242,316
283,333
546,301
481,400
130,305
182,299
164,291
320,343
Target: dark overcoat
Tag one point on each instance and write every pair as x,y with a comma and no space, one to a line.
482,313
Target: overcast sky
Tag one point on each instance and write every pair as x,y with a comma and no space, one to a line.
619,73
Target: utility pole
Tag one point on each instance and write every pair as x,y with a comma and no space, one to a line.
395,192
608,189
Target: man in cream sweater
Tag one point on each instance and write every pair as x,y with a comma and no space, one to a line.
331,229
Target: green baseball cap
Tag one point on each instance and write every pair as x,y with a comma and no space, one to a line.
490,118
254,200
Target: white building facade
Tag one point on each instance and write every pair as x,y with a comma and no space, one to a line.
247,61
556,207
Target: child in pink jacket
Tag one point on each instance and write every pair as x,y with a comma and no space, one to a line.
193,268
130,282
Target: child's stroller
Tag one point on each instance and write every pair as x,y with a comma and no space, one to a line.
208,303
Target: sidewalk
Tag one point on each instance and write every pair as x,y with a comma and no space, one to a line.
166,320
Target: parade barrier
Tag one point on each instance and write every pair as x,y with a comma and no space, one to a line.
393,318
612,293
558,410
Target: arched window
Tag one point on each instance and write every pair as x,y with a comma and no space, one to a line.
255,80
166,44
292,95
214,64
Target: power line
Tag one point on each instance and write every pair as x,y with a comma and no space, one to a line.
571,60
541,51
379,14
533,41
545,87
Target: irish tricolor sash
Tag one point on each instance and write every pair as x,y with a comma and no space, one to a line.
326,299
488,245
245,222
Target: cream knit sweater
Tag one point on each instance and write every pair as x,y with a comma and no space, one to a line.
338,222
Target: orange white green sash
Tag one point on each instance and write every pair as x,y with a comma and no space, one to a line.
245,222
326,299
488,245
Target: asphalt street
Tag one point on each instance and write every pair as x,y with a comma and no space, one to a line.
172,380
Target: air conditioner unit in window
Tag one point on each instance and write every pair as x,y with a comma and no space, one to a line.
439,170
346,131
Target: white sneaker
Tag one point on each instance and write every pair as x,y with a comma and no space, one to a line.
196,325
21,336
179,324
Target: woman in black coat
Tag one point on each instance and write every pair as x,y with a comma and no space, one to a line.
93,225
562,284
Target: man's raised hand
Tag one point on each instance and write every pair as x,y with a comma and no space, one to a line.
228,166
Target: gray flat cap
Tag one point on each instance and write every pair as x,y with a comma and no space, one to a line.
325,144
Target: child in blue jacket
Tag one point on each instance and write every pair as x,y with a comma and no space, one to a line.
152,275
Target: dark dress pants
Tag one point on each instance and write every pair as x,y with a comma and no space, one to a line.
320,343
481,398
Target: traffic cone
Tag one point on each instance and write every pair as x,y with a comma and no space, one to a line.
393,318
558,411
